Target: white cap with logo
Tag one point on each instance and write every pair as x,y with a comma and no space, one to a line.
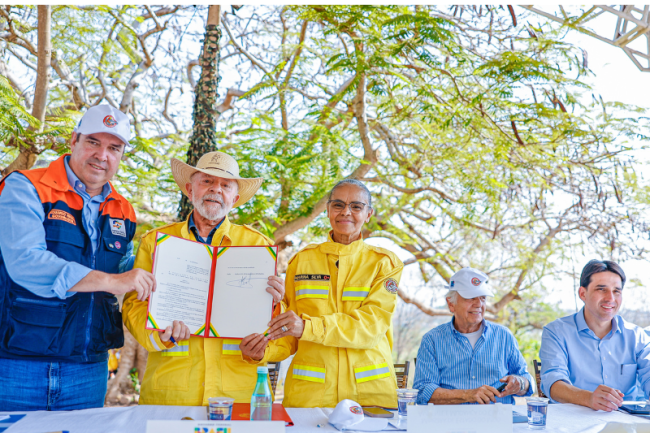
105,118
470,283
348,415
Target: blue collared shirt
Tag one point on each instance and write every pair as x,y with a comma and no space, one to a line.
572,352
195,230
22,238
90,211
446,360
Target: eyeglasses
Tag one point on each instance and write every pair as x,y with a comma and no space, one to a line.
355,206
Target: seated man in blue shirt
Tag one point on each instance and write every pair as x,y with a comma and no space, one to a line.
592,358
467,359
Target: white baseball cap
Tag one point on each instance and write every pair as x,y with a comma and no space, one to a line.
348,415
105,118
470,283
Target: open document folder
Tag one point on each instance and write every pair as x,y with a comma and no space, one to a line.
215,291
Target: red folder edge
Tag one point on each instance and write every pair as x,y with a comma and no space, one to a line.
242,412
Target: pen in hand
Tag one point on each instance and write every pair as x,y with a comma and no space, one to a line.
173,341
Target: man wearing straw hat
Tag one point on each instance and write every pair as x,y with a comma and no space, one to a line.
193,369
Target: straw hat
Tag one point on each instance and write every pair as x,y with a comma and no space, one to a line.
216,164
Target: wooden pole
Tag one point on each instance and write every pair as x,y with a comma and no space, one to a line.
214,15
27,155
43,70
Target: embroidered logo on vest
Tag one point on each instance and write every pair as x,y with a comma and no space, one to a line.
117,227
56,214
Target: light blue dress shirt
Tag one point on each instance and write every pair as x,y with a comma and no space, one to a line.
22,238
90,211
571,352
446,360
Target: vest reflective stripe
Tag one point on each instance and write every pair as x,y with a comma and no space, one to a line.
355,293
153,341
318,292
371,372
307,372
231,347
183,349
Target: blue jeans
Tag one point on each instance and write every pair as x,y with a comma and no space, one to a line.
43,385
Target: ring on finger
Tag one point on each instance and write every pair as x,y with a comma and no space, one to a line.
284,328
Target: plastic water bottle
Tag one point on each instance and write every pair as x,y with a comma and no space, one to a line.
261,404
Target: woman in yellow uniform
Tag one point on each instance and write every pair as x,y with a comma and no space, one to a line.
341,296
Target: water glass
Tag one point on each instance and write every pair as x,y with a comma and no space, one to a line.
537,407
406,398
220,408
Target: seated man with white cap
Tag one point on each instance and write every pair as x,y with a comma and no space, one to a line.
186,370
466,359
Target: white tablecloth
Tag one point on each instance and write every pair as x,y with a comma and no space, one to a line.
561,419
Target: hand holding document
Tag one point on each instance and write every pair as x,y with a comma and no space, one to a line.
215,291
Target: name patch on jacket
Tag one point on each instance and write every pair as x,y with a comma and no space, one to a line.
57,214
311,277
117,227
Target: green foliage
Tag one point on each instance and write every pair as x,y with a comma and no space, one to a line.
13,116
133,374
481,144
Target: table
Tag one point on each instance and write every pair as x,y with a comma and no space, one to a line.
566,418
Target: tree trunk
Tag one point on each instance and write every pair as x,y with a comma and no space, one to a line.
28,153
203,140
120,388
205,113
43,73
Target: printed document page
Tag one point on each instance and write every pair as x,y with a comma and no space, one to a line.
240,303
182,270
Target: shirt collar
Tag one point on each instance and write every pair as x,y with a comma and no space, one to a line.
195,231
332,247
77,184
581,323
487,327
221,231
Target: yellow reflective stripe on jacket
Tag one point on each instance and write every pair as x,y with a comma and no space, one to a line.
183,349
355,293
307,372
318,292
371,372
231,347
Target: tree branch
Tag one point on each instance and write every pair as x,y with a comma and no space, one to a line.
242,50
426,310
43,73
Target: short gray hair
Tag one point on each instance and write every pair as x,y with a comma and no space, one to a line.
453,295
356,183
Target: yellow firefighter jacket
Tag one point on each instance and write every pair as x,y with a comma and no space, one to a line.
346,294
200,367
